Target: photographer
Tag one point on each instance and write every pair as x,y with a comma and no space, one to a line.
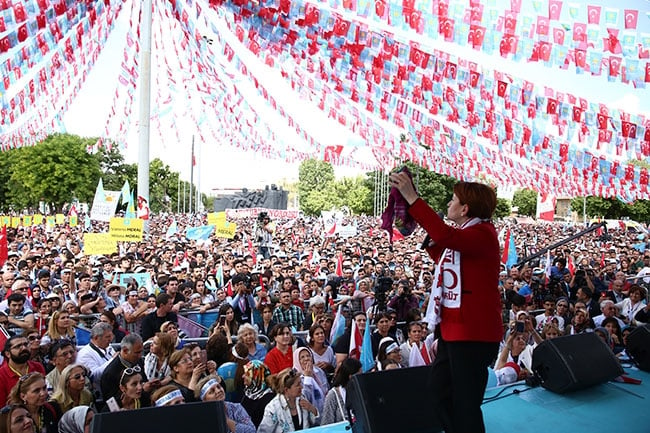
264,235
404,301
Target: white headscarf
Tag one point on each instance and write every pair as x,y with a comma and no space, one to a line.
74,420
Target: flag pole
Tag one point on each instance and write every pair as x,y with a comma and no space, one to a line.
191,173
145,103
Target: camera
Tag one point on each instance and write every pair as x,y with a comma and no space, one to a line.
519,326
262,216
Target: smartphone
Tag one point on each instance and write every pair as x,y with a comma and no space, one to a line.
519,326
222,320
112,405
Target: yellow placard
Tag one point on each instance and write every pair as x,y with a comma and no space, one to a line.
49,220
126,229
15,222
6,220
74,221
27,221
225,229
99,244
38,219
60,218
214,218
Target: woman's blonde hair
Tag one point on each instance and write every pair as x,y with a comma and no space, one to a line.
53,330
167,344
61,393
283,380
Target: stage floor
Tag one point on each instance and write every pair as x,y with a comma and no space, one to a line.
610,407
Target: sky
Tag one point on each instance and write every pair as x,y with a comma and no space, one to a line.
222,168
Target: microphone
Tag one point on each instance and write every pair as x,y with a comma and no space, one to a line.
427,238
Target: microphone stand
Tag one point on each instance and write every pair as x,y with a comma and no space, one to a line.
565,241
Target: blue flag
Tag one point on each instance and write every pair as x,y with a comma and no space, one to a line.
199,233
367,361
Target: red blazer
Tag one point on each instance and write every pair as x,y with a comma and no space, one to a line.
479,315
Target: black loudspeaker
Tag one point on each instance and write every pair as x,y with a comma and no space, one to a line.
638,346
574,362
377,404
206,417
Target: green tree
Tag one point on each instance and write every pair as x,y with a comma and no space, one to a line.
115,171
503,208
526,202
56,170
5,176
163,187
316,186
353,193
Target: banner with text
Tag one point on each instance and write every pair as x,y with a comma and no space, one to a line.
103,210
254,211
97,244
126,229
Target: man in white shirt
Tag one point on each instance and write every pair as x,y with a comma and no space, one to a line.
608,309
97,354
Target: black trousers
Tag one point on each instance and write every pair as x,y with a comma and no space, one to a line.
458,379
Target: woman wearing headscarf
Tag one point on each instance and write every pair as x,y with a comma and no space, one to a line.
314,380
257,393
77,420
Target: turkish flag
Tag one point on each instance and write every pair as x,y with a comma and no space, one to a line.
577,114
629,130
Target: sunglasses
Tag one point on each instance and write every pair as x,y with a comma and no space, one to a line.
78,376
25,377
130,372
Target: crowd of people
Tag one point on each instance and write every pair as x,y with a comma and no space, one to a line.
288,313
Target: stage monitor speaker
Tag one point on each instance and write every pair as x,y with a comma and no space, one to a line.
574,362
638,346
391,401
206,417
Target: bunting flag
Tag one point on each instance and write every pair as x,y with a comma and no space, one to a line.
4,246
356,341
400,68
338,326
367,360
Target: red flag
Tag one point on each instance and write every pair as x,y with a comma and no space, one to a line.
602,260
425,354
229,291
4,246
355,341
571,266
251,251
339,265
397,235
506,245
